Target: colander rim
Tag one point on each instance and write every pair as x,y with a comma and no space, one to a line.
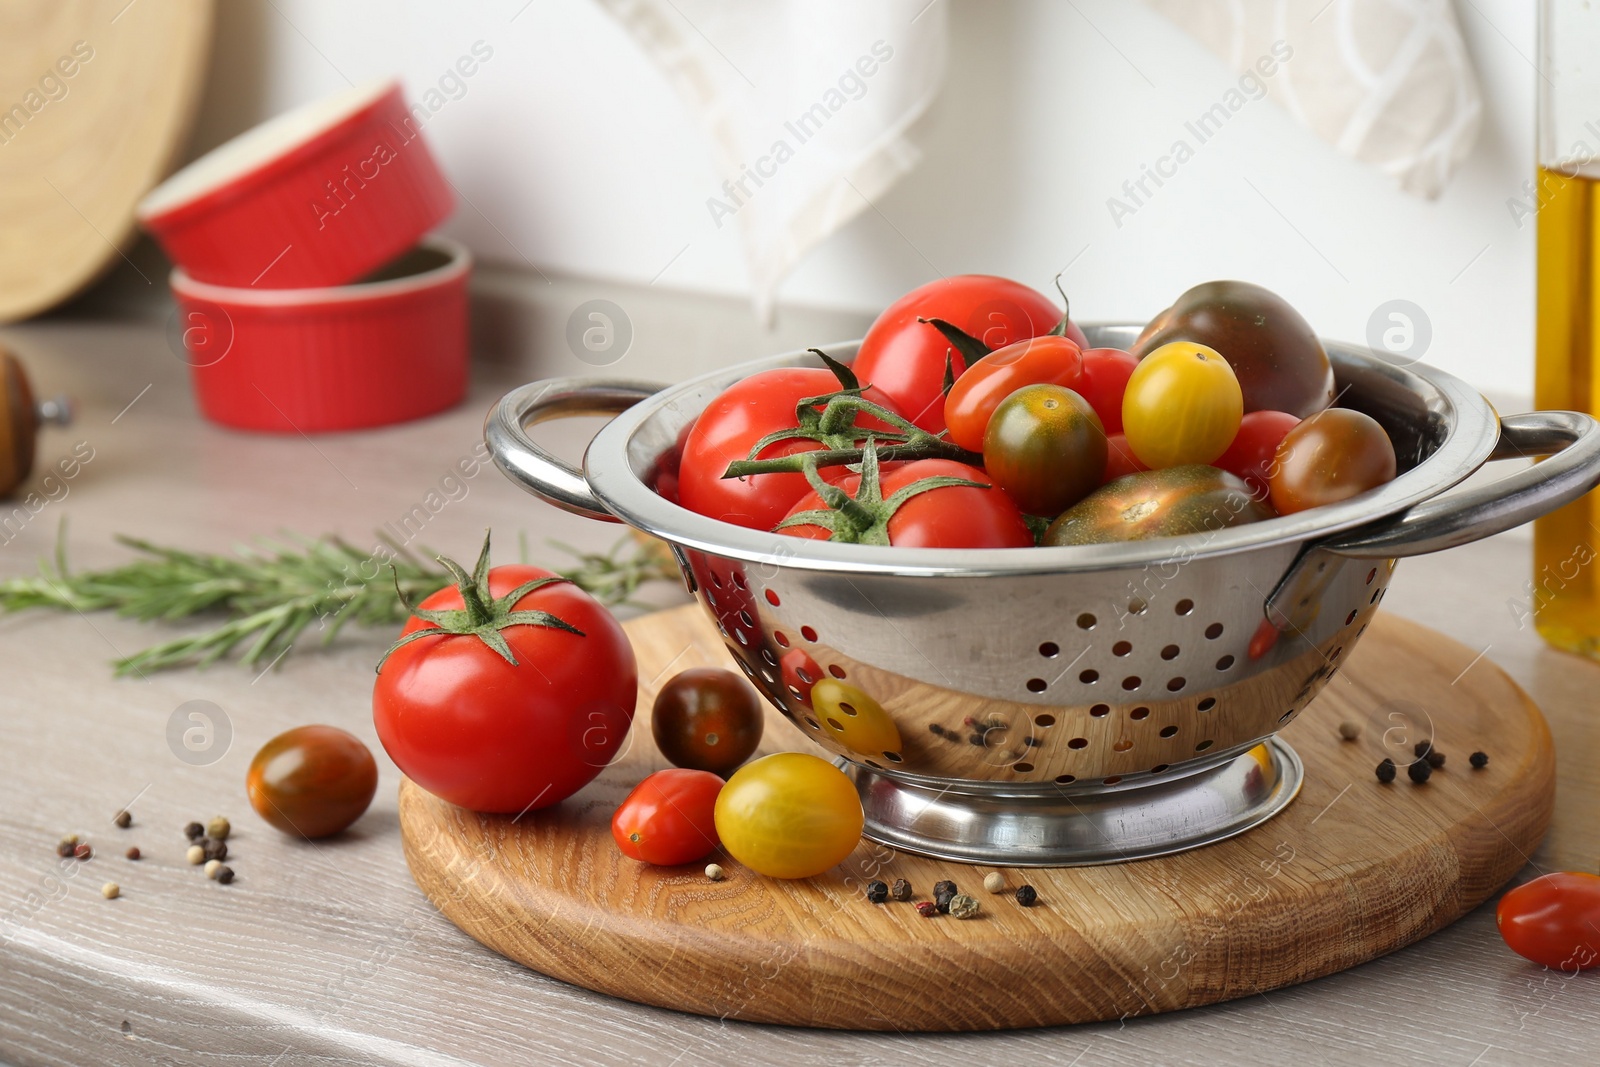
1471,428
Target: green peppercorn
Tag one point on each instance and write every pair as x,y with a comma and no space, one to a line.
963,906
218,828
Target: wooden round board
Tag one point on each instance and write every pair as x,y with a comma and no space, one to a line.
96,101
1351,870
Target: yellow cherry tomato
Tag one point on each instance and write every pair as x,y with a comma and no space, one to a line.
855,720
789,815
1182,405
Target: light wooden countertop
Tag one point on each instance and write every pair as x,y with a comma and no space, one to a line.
327,952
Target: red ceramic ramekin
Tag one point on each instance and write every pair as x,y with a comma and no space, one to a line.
389,348
318,196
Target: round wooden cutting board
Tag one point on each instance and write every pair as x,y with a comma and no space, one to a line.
1351,870
96,100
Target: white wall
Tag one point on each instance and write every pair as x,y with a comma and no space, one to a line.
574,154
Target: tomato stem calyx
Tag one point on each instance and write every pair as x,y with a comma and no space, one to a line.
862,519
1060,329
482,614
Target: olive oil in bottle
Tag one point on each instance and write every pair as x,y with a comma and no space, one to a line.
1564,594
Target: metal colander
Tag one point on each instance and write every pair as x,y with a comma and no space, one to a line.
1072,704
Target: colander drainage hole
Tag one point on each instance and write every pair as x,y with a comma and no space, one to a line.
1066,779
1286,716
781,637
1086,621
1175,684
836,724
1373,573
847,708
836,670
1139,713
1202,746
1122,745
1183,607
1043,721
772,598
1158,768
1207,704
804,675
1169,731
766,654
1100,711
1078,742
1170,652
809,634
813,723
1089,677
1022,768
1122,648
1049,650
746,618
1037,685
1213,631
738,579
1131,682
1137,606
1113,780
1224,663
893,757
1350,618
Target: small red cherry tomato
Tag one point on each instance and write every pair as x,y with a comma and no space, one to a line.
1251,456
669,818
1048,360
1554,920
1120,459
1105,378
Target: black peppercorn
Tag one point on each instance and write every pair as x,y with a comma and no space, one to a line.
194,831
975,739
123,819
1026,895
1435,758
935,729
901,890
1420,771
214,849
1386,771
1421,749
1479,760
942,893
65,846
224,874
877,892
1031,742
927,909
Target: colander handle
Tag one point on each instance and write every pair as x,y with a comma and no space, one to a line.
1567,438
534,467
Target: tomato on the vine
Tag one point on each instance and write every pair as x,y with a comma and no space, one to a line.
1104,379
1255,447
1046,448
730,427
948,516
1182,406
975,395
1554,920
789,815
905,357
506,692
669,818
1331,456
707,719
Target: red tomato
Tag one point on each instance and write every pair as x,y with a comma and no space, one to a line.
669,818
493,736
957,516
1045,360
1251,456
730,426
1554,920
906,358
1120,459
1105,378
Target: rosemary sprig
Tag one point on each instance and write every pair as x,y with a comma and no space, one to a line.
272,592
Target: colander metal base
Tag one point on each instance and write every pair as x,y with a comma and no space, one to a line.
1049,828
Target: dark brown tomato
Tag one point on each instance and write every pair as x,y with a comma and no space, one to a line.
1046,448
312,781
1163,503
1280,364
1329,457
707,719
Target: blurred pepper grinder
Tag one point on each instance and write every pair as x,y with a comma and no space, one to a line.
20,419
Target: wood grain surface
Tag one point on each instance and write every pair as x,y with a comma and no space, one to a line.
96,99
1353,869
328,953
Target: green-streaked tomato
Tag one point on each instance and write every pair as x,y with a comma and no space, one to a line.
789,815
1279,361
1182,406
707,719
1329,457
1160,503
973,398
1045,447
